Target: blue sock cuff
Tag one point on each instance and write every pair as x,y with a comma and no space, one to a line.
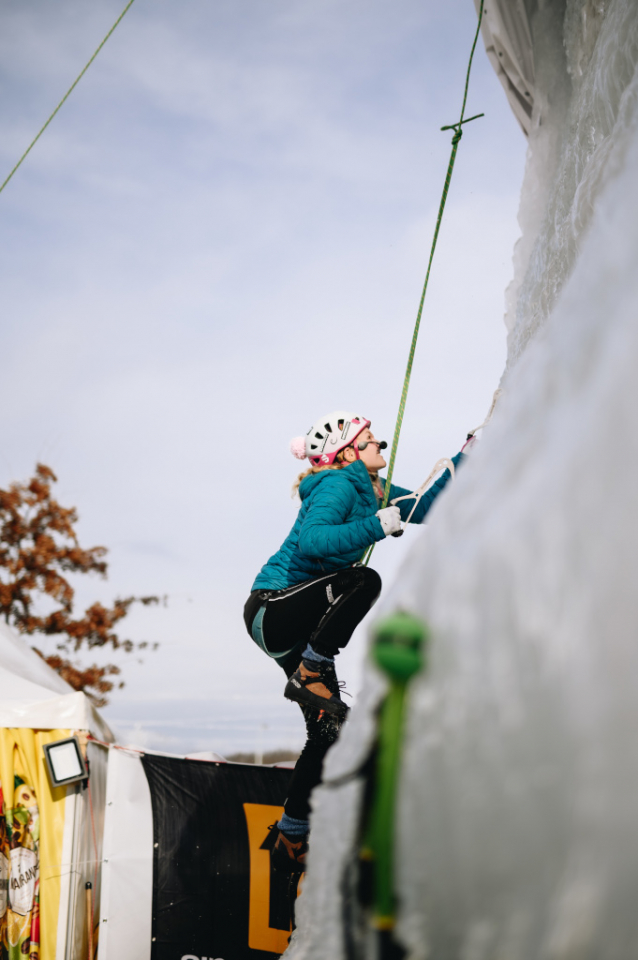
310,654
294,828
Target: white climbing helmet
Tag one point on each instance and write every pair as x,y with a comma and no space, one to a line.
328,436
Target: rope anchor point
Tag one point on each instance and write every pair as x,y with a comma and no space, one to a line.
458,133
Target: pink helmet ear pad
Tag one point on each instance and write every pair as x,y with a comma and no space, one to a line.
298,448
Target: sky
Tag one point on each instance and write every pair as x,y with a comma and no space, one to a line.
221,237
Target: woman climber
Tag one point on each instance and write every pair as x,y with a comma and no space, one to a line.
309,597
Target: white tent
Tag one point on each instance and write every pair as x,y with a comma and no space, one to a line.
63,845
35,696
110,845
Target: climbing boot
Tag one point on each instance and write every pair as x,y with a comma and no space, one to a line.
288,854
314,684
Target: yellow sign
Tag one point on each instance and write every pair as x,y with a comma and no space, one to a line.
31,834
261,936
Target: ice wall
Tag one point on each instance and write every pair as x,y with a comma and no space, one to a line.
583,111
518,821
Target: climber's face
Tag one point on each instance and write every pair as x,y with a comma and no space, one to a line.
368,449
371,455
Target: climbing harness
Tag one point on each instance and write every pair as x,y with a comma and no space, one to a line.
66,95
456,139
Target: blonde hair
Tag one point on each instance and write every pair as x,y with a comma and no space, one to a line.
337,465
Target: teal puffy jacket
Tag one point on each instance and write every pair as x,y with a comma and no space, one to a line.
335,524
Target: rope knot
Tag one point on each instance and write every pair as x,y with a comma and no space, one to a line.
458,134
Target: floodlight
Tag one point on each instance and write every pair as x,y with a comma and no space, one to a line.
65,762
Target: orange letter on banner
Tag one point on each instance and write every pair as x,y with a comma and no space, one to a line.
261,936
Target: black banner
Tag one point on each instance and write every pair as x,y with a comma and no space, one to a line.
214,894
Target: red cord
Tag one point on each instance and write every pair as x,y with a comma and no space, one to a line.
115,746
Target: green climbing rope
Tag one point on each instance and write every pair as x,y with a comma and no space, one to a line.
456,139
66,96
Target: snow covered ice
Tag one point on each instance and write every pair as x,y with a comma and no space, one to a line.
518,801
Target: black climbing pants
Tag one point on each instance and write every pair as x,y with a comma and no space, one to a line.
323,612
